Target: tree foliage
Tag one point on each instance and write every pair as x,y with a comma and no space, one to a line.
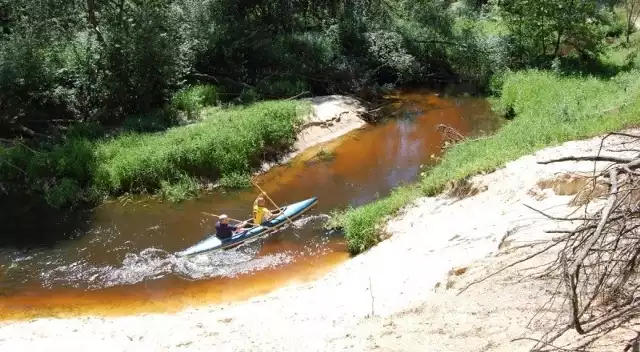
107,60
632,13
87,60
543,28
79,66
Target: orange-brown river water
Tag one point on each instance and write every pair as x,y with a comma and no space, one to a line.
119,260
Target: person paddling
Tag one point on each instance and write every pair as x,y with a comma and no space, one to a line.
224,230
260,212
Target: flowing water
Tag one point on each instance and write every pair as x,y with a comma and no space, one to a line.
119,258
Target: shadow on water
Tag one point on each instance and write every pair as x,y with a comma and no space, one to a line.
30,223
118,258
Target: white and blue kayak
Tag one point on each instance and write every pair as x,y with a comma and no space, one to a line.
288,212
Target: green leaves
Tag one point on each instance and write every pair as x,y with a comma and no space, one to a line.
540,29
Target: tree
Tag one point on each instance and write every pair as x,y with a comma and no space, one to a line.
632,9
539,29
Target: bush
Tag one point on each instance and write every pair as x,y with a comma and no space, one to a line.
65,192
156,121
282,88
615,24
191,100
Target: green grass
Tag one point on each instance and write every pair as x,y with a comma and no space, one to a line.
191,100
362,224
550,108
227,145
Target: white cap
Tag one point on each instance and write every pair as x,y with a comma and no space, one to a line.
223,216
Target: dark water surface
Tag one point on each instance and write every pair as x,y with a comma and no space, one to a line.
120,258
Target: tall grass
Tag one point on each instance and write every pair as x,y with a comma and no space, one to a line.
191,100
362,225
227,144
227,141
549,109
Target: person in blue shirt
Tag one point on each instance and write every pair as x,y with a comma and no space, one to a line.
224,230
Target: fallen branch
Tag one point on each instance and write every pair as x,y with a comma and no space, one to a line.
450,135
634,344
323,123
597,262
586,158
555,217
298,95
613,196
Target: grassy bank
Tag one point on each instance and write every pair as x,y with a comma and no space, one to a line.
549,107
225,146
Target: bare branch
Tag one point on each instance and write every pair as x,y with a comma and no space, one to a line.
597,262
587,158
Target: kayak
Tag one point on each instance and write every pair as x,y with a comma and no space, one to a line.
213,243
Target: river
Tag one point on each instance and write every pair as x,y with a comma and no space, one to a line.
117,259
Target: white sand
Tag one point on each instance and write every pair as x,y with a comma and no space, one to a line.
332,116
430,238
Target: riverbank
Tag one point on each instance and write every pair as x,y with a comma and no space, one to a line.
137,237
401,283
223,148
545,109
331,117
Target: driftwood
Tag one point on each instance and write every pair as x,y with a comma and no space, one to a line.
449,134
597,262
375,114
323,123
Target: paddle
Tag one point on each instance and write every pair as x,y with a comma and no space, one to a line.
238,221
272,202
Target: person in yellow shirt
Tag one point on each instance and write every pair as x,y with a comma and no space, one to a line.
260,212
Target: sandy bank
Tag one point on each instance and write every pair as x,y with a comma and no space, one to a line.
332,117
397,282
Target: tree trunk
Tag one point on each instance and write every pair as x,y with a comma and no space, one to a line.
558,40
91,16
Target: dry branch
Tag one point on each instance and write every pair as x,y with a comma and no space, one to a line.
586,158
449,134
597,262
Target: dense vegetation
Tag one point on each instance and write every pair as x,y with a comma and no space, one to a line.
76,75
555,97
96,94
227,144
106,61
